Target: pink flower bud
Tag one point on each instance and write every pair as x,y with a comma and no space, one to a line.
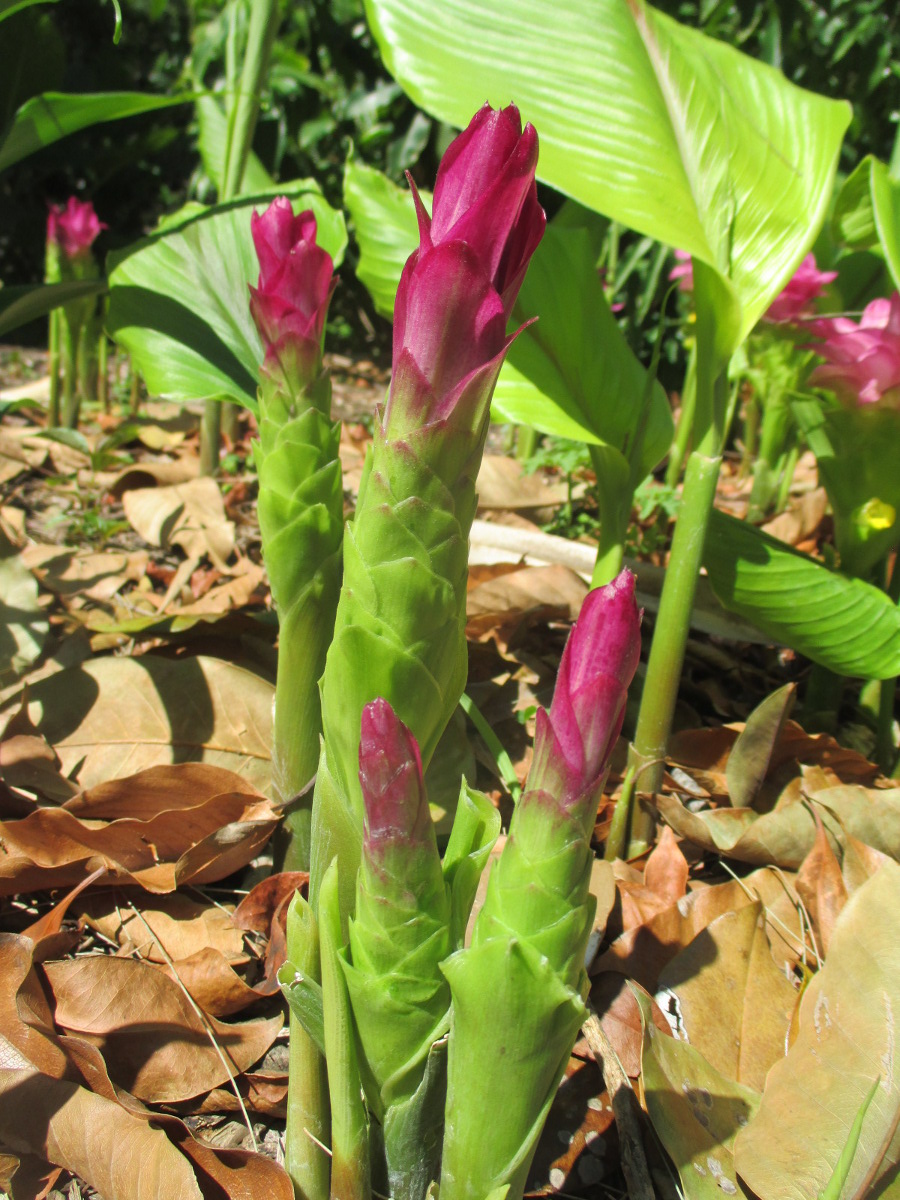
684,272
290,301
797,299
574,741
390,773
862,361
74,228
458,289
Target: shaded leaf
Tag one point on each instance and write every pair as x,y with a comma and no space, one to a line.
190,515
846,1040
26,302
384,219
153,1042
751,755
23,625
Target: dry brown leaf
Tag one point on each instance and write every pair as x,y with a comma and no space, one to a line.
149,474
664,882
68,573
214,983
503,483
859,863
821,887
153,1042
618,1012
111,717
27,1038
733,1003
161,828
119,1154
28,763
180,925
190,515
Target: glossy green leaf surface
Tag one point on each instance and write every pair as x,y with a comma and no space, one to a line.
572,373
844,624
23,303
212,140
668,131
179,301
384,217
45,119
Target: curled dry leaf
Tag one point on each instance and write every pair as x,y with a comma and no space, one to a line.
160,828
820,885
179,926
190,515
111,717
152,1040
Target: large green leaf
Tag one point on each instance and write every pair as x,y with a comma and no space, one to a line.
45,119
178,300
676,135
843,624
572,373
844,1043
384,217
24,302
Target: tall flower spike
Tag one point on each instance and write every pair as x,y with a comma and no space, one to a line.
399,632
528,945
300,490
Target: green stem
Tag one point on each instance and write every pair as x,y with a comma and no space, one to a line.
260,36
751,434
229,421
777,424
822,700
349,1130
210,436
618,829
787,478
53,342
307,1127
526,442
885,749
69,355
103,371
614,499
685,422
670,638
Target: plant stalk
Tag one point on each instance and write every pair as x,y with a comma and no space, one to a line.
685,422
614,498
210,436
670,638
69,358
53,343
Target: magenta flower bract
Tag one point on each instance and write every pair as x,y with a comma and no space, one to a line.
575,739
458,289
290,301
797,300
862,364
74,228
390,774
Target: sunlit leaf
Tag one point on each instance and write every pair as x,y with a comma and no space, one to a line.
660,127
212,140
867,212
844,624
384,217
179,302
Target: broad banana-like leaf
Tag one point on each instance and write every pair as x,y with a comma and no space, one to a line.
674,134
867,212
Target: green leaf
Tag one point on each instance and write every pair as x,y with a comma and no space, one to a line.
571,373
843,624
23,303
45,119
384,217
179,301
845,1040
304,996
867,212
212,140
833,1188
656,125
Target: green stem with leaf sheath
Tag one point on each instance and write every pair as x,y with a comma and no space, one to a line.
53,367
614,499
670,639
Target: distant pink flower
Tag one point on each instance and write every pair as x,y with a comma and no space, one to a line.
74,228
793,303
862,364
290,301
684,272
797,299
